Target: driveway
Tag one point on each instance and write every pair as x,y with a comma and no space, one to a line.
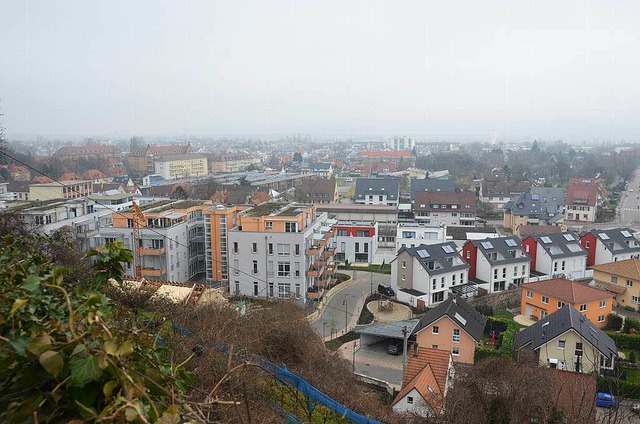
374,361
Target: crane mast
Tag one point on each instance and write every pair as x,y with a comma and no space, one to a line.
138,222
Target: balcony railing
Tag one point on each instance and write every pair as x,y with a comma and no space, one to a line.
152,251
152,272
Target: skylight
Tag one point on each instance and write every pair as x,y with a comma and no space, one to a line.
545,240
625,233
460,319
511,242
568,237
603,236
422,253
487,245
447,249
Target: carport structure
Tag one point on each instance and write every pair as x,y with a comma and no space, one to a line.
388,332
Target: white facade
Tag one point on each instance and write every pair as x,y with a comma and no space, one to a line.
573,267
412,234
500,277
580,213
377,199
272,264
413,403
604,255
449,219
402,143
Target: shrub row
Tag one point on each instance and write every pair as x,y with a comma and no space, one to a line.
484,352
618,387
630,323
614,322
625,341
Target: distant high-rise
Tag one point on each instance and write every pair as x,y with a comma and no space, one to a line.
402,143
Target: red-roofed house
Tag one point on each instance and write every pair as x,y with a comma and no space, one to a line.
19,172
69,176
543,298
95,175
581,200
401,160
428,377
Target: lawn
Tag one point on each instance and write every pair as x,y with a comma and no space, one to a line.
633,376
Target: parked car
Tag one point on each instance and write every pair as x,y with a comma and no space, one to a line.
394,348
606,400
386,290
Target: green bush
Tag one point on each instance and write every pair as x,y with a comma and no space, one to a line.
625,341
485,352
630,308
619,387
614,322
632,357
630,323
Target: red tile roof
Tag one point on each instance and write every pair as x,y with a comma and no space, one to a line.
427,369
385,153
628,268
582,192
567,291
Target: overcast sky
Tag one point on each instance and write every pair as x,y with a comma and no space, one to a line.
504,70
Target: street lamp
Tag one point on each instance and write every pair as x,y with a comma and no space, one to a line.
324,324
346,313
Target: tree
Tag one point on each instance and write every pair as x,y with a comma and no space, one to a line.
297,157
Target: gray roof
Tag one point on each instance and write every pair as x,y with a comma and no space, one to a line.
533,206
615,241
428,184
549,194
560,322
559,245
376,187
500,246
435,260
455,308
391,330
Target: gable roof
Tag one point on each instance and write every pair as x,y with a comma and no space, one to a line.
442,201
376,187
455,308
567,291
434,259
628,268
319,185
428,184
582,192
500,246
428,368
532,205
549,194
559,322
616,240
558,245
526,230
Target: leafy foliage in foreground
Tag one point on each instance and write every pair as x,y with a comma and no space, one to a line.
62,357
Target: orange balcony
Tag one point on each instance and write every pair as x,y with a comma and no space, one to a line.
329,252
312,272
152,272
314,251
154,252
315,292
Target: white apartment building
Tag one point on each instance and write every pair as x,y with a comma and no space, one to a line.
356,241
181,166
412,234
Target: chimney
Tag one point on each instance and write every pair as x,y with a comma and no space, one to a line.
415,350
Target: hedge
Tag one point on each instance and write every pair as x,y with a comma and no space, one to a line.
625,341
484,352
630,323
619,387
614,322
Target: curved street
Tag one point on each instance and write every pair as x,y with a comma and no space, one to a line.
343,308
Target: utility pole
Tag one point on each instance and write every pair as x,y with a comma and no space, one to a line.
324,324
371,278
404,350
353,361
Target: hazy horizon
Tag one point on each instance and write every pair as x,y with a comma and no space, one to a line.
432,70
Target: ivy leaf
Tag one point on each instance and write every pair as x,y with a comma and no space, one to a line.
107,389
32,283
39,345
130,414
52,362
125,348
111,347
19,344
170,416
19,303
84,370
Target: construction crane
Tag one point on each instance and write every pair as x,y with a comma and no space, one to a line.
138,222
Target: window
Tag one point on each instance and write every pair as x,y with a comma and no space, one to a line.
455,351
297,269
434,346
290,227
404,264
284,249
560,304
635,299
435,330
583,307
600,318
255,288
442,282
456,335
237,283
529,294
555,267
629,283
561,344
284,269
235,247
499,286
605,362
433,284
614,279
342,233
563,265
268,224
410,400
362,233
297,250
524,270
603,303
495,273
254,247
545,299
404,277
515,271
236,266
270,248
543,314
255,267
357,247
468,254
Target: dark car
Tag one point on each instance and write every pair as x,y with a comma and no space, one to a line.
386,290
394,348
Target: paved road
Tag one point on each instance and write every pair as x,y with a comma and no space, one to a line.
622,415
345,305
628,213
